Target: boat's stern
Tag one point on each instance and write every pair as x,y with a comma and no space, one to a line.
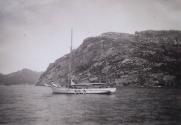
112,90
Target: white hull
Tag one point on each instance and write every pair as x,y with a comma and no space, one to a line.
60,90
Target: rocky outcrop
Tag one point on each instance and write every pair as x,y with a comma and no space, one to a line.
24,76
147,58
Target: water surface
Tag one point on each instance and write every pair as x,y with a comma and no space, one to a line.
32,105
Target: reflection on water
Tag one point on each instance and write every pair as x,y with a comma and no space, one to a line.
32,105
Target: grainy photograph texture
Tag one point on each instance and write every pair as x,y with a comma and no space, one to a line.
90,62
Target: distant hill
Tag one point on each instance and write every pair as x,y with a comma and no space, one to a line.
146,58
24,76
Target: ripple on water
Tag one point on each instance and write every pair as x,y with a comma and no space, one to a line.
32,105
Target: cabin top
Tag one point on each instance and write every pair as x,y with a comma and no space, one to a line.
88,84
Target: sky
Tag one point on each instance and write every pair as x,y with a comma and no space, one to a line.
34,33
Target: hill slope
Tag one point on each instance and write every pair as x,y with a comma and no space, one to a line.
24,76
147,58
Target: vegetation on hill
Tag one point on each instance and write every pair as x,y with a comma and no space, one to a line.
146,58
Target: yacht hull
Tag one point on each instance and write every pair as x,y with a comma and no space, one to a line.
60,90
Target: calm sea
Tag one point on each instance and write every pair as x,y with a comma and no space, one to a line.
32,105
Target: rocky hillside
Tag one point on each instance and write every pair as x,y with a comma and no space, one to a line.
24,76
147,58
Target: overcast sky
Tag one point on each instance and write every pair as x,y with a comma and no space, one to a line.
34,33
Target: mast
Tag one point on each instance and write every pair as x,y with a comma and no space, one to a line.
70,58
71,40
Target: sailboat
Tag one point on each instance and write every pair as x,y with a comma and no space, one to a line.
82,88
